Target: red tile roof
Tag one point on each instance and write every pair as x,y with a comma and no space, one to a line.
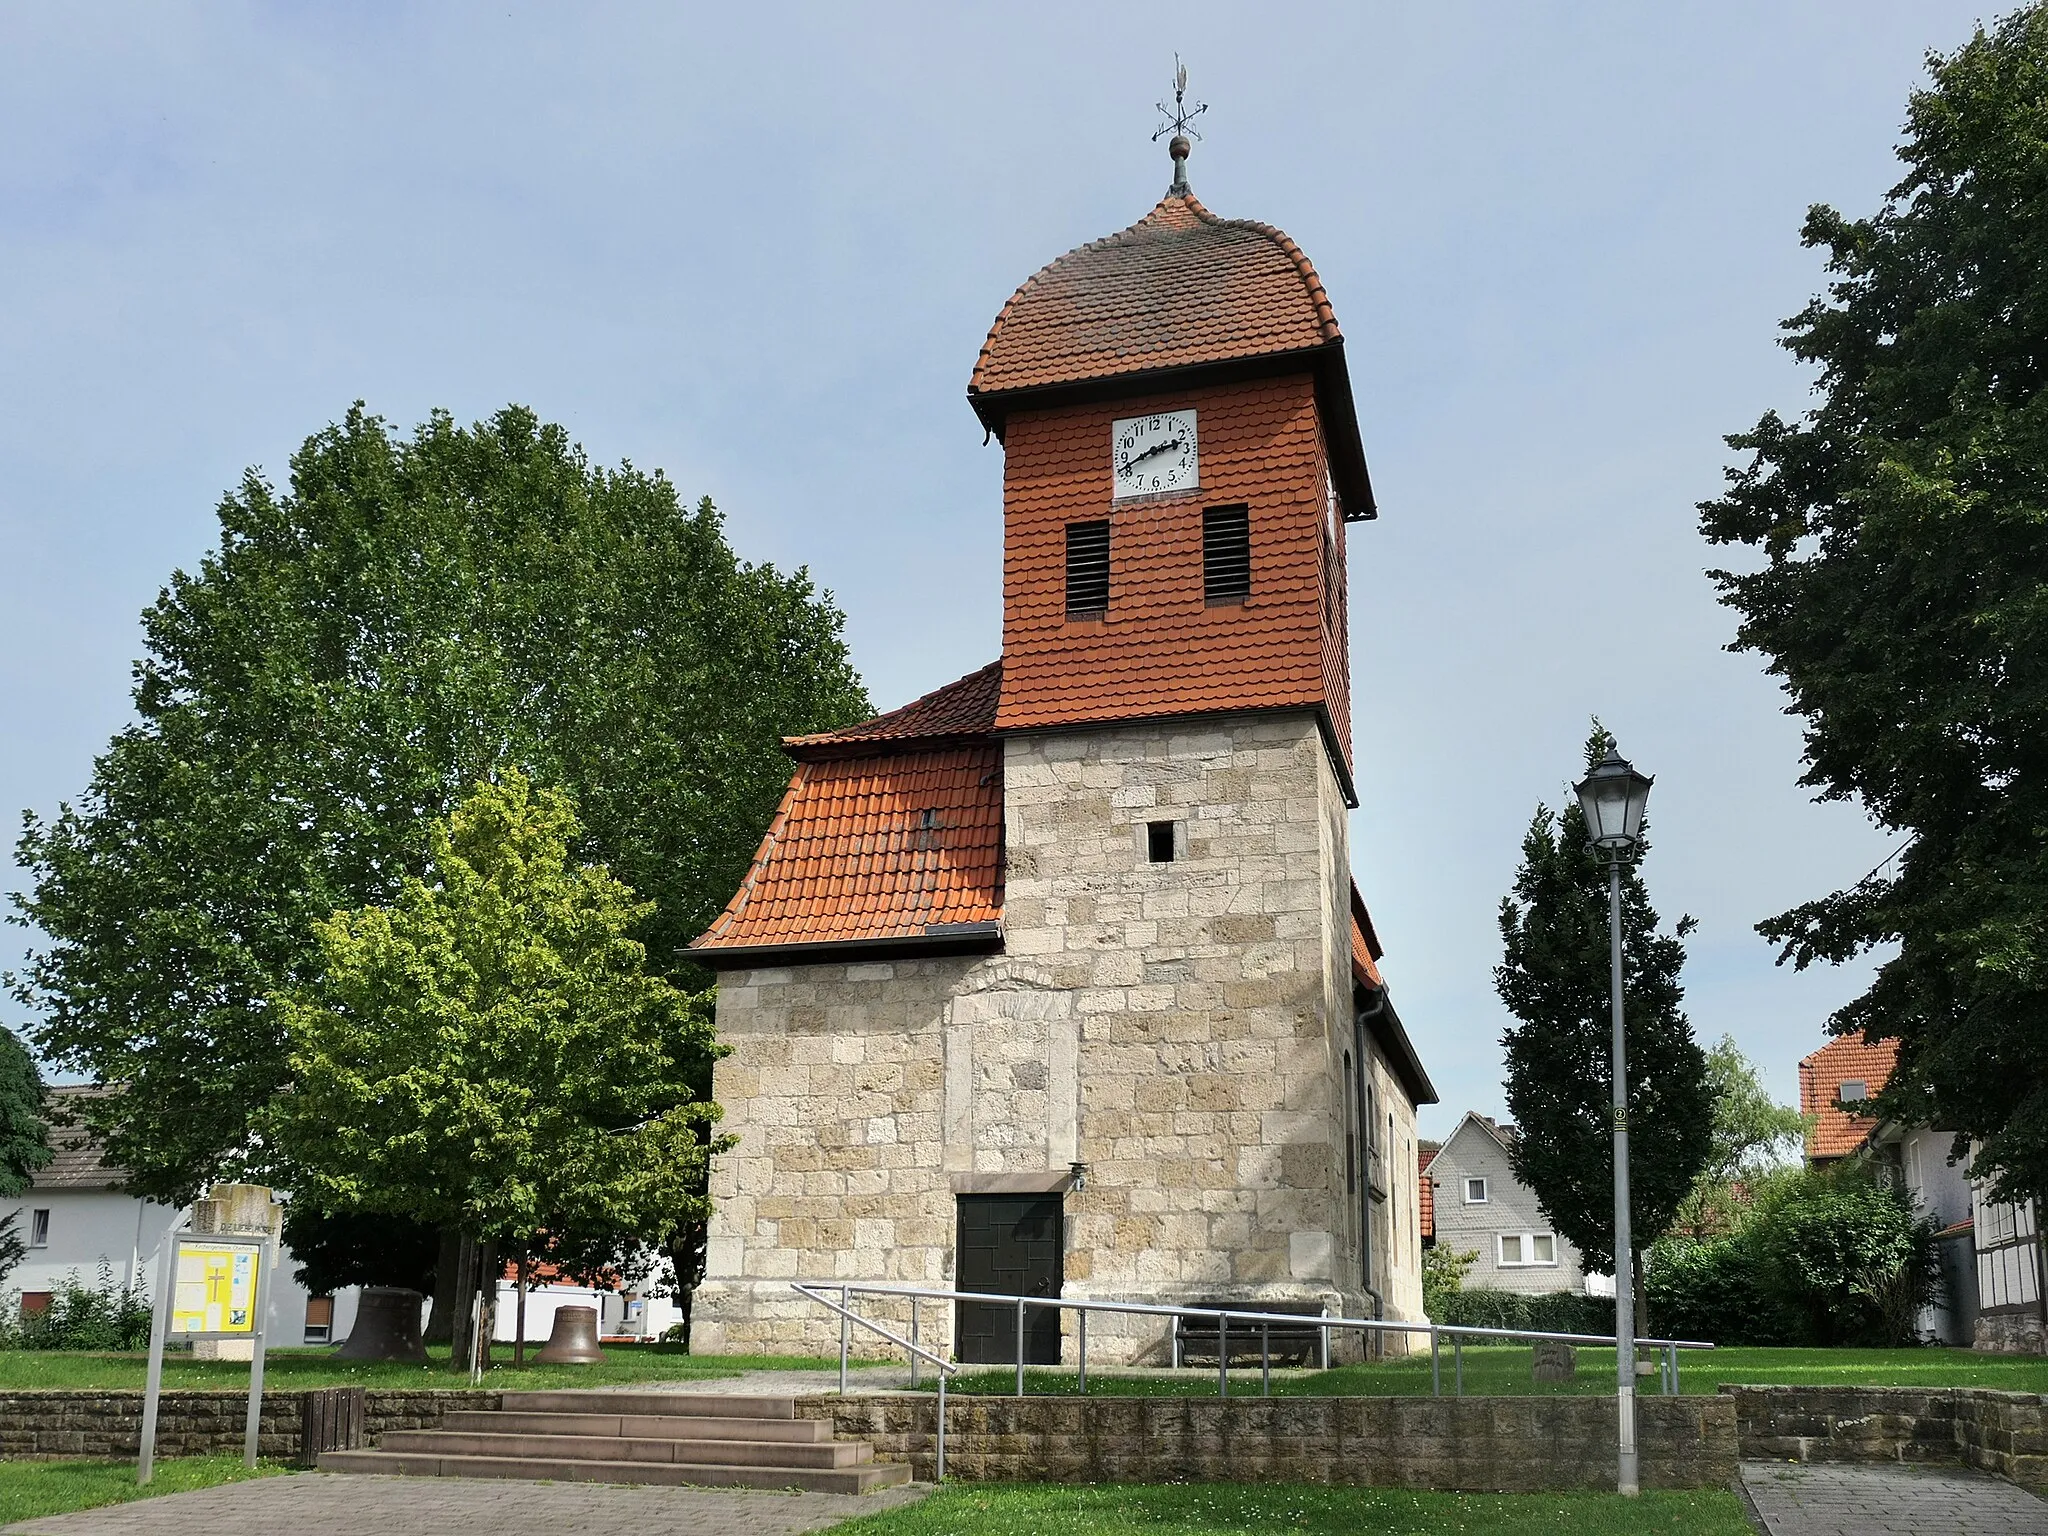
966,708
1832,1131
890,830
1177,288
1424,1156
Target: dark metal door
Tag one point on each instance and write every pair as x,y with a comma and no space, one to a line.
1011,1245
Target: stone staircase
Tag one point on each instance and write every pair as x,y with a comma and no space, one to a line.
712,1441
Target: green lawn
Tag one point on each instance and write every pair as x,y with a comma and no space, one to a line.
32,1488
1209,1509
290,1370
1505,1371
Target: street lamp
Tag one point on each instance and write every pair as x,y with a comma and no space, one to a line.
1613,797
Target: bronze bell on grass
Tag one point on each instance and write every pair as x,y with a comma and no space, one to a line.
574,1340
387,1326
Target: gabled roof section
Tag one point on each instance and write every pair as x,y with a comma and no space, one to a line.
1180,287
1831,1130
960,710
890,837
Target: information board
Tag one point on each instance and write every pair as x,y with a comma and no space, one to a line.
216,1291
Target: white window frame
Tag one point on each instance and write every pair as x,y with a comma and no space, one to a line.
1527,1240
1481,1197
39,1227
1861,1096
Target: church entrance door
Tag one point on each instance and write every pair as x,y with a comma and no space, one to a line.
1011,1245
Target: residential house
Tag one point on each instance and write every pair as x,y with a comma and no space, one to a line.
1479,1206
78,1218
1990,1250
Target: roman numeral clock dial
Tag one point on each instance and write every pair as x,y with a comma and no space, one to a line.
1153,455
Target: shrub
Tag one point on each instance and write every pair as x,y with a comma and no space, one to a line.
1718,1290
1554,1312
1443,1276
102,1316
1835,1257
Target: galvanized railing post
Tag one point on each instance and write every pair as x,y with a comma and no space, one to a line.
1081,1329
914,1362
939,1476
1020,1346
1265,1359
1223,1354
1458,1356
845,1337
1436,1364
1323,1343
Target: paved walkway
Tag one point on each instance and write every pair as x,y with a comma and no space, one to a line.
328,1504
1839,1499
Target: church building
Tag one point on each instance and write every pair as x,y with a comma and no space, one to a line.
1055,980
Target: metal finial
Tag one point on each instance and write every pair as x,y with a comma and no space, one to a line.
1179,121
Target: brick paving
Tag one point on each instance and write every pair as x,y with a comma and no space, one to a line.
1842,1499
322,1504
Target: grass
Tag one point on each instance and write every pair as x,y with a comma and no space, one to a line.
291,1370
1211,1509
1504,1371
30,1489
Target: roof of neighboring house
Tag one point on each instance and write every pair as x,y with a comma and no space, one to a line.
1425,1154
80,1163
1832,1131
1180,287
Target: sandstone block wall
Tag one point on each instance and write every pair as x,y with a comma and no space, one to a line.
1479,1444
2005,1433
109,1424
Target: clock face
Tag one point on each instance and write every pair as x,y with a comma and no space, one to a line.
1153,455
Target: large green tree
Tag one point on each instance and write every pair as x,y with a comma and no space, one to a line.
411,615
1553,977
24,1133
1901,594
1753,1135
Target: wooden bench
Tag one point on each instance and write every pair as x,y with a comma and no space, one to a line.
1200,1338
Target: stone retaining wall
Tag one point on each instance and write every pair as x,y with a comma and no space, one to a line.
1489,1444
109,1424
2000,1432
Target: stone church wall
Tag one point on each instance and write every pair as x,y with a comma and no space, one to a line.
1176,1028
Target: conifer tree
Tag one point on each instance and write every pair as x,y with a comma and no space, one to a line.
1554,979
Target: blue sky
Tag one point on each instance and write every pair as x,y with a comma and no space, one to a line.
758,246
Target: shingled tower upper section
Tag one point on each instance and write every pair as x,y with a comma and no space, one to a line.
1208,348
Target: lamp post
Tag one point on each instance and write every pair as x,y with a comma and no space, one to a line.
1613,797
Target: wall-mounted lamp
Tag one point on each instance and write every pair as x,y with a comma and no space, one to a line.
1079,1174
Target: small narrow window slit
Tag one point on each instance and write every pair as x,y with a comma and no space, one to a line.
1159,841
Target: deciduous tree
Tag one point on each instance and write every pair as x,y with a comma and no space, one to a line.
489,1052
1902,594
408,617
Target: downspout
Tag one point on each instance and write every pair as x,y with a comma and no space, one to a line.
1358,1018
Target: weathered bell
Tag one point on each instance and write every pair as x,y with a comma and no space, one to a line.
574,1340
387,1326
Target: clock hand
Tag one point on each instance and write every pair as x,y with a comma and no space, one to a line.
1178,442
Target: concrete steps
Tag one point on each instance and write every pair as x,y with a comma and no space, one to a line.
632,1437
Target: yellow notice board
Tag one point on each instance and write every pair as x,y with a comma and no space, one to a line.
215,1289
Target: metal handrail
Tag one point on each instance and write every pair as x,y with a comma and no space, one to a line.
847,1318
1223,1317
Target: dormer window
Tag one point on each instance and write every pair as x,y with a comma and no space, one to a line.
1852,1093
1087,569
1226,555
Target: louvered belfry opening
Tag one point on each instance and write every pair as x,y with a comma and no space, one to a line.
1226,554
1087,570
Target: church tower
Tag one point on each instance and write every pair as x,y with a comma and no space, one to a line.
1055,981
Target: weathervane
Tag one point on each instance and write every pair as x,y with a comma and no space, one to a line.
1180,120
